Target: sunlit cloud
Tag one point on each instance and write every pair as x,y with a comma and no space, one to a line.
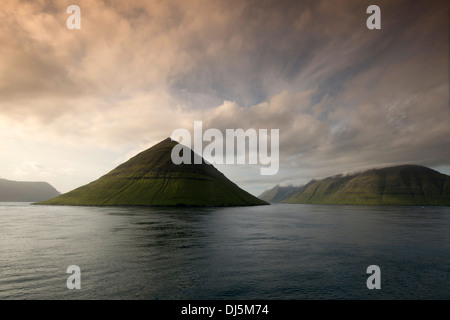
75,103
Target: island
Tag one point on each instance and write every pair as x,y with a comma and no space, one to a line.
398,185
26,191
151,179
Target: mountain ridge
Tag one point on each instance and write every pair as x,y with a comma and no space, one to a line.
26,191
397,185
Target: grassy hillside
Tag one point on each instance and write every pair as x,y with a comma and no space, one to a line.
400,185
24,191
151,179
278,193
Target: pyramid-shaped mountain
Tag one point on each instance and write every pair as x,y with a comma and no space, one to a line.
152,179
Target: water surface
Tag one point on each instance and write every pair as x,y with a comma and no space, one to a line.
267,252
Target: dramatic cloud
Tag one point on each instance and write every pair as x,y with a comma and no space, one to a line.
75,103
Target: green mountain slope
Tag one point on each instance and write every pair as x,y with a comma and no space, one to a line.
278,193
24,191
400,185
151,179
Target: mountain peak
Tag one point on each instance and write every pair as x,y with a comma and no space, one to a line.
150,178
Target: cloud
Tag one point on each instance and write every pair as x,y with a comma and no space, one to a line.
345,98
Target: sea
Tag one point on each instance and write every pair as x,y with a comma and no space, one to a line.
276,252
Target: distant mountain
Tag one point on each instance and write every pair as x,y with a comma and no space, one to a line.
21,191
278,193
399,185
152,179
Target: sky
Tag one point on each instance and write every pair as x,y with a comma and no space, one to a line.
74,104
